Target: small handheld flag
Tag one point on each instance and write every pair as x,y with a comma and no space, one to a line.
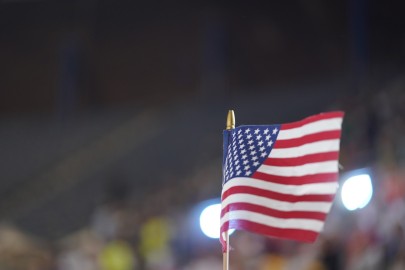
280,180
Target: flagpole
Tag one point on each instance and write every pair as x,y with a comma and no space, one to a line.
230,124
226,253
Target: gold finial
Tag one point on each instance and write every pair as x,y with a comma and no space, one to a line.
230,120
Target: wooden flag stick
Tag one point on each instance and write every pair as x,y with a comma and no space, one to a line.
230,124
226,253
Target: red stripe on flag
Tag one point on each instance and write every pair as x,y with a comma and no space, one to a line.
291,234
272,212
314,118
277,196
326,135
297,180
319,157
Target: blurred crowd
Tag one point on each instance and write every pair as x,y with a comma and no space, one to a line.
157,234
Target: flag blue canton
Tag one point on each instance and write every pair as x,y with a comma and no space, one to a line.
247,148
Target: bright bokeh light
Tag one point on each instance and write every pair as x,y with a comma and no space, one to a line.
210,221
357,192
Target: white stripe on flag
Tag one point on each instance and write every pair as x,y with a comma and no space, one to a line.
306,149
301,170
291,223
307,189
315,127
323,207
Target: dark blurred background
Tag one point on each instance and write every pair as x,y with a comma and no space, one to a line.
111,115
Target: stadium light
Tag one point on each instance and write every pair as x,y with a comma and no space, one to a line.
210,221
356,191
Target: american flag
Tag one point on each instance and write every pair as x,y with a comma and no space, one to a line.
280,180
